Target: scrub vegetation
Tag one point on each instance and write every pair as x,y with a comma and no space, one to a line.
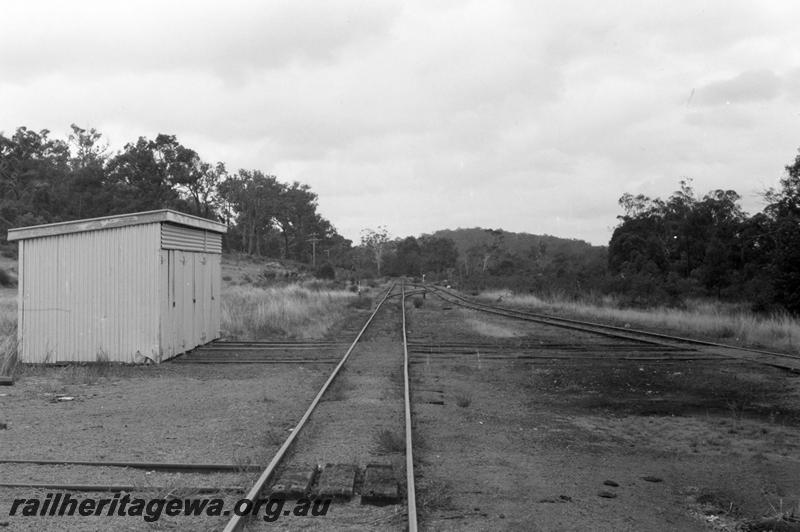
296,311
8,331
711,320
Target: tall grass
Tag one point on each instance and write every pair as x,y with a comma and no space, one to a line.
701,319
250,313
8,332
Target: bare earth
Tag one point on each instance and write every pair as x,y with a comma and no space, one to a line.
532,444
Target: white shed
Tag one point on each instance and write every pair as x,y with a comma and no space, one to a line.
128,288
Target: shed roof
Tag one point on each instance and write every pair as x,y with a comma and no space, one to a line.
121,220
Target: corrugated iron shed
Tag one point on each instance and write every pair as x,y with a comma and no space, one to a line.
128,288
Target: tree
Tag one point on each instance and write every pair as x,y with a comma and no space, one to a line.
141,176
680,245
88,194
407,259
783,213
437,254
377,242
251,203
34,170
298,221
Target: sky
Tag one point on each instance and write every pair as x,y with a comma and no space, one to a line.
422,115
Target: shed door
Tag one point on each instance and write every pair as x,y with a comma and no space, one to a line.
179,331
189,300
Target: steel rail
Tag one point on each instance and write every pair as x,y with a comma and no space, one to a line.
546,320
464,302
113,488
410,489
237,521
151,466
623,329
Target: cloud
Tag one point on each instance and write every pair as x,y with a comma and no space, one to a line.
747,87
721,117
231,40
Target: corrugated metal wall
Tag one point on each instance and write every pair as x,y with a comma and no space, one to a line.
189,300
189,239
91,294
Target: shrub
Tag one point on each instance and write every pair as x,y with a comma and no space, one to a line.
5,278
325,271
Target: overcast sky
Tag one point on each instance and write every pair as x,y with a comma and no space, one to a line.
527,116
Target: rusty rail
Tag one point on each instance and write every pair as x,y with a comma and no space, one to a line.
410,489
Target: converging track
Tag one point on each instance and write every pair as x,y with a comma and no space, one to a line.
784,361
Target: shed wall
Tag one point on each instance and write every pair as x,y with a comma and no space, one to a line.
89,295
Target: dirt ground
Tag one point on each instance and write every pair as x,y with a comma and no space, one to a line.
236,414
537,444
597,445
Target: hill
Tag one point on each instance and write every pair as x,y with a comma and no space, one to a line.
494,257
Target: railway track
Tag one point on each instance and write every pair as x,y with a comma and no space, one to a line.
291,476
783,361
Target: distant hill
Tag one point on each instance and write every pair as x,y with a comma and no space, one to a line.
493,257
519,244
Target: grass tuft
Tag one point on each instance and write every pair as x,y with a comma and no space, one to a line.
9,356
387,442
434,496
463,400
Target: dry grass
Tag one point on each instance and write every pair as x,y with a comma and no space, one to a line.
463,400
388,442
700,319
250,313
8,331
490,329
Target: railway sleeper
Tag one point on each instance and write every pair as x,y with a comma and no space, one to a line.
377,484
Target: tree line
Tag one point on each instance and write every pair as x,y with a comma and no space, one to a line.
407,256
45,179
690,246
662,251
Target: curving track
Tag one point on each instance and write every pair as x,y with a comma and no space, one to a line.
784,361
